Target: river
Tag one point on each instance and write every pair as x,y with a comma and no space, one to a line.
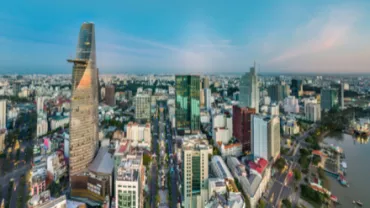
358,171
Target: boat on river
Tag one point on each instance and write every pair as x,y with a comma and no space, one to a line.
358,202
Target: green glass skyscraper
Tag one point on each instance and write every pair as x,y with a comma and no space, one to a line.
187,103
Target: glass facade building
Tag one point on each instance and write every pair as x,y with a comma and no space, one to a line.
188,103
84,102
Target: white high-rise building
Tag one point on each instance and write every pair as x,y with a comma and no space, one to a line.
40,104
260,125
265,137
249,91
291,105
194,176
313,112
207,96
130,182
2,114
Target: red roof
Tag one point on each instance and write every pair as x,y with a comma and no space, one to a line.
259,165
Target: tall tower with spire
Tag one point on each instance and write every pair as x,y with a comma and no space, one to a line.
249,91
84,102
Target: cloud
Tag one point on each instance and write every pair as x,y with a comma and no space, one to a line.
329,29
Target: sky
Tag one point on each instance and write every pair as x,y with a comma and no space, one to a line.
192,36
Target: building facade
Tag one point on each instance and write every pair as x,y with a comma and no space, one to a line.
109,95
313,112
130,182
249,90
242,126
194,176
2,114
329,99
187,103
84,102
142,107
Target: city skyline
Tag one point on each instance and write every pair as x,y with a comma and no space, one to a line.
281,37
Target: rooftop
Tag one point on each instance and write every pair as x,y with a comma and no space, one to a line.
103,162
128,169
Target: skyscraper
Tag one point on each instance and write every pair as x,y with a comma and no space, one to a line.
194,175
242,126
84,104
207,96
249,91
276,93
2,114
266,137
109,95
40,104
187,103
329,99
297,87
341,96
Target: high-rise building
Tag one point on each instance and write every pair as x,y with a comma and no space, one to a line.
291,105
84,102
313,112
242,126
187,103
194,176
249,90
2,140
142,107
2,114
207,96
40,104
265,137
205,82
276,93
329,99
297,87
274,138
109,95
130,182
341,96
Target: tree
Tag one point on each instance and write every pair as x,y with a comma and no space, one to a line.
297,174
280,164
146,160
286,203
157,199
316,159
261,204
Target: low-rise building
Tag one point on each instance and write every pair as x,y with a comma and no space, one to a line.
44,200
58,121
129,182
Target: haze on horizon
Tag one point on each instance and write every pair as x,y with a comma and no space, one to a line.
196,37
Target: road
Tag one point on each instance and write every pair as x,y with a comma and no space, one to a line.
154,166
173,166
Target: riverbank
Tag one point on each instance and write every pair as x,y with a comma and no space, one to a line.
357,170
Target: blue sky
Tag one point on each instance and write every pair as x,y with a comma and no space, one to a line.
188,36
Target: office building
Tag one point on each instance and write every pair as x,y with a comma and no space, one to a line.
187,103
297,88
84,102
194,175
142,107
2,114
42,126
2,140
242,126
205,82
249,90
130,182
207,98
109,95
265,137
341,96
276,93
329,99
291,105
313,112
40,105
